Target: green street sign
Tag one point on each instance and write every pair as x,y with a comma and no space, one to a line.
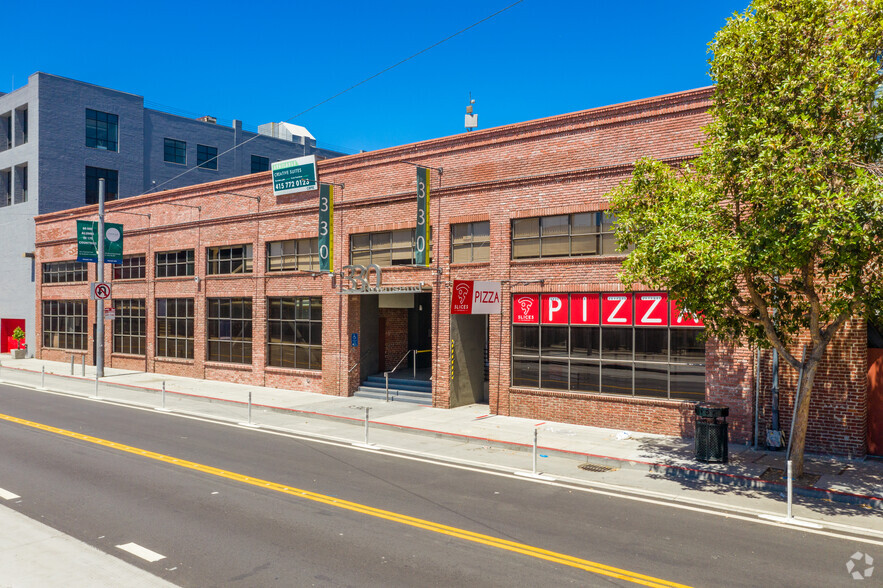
87,245
294,175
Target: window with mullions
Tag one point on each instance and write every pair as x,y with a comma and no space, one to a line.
657,362
111,184
470,242
229,330
56,272
259,164
206,157
229,259
102,130
170,264
385,248
133,267
130,326
174,327
294,332
65,324
294,254
564,235
175,151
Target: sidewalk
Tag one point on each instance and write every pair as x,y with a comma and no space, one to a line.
840,492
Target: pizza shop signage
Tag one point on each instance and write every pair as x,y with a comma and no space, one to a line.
621,309
475,297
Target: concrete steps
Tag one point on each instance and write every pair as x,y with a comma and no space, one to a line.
400,390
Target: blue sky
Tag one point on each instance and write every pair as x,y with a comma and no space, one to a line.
268,61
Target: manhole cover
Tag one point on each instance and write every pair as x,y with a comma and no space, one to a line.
778,475
594,467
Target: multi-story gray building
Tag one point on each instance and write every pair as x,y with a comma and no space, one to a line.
59,136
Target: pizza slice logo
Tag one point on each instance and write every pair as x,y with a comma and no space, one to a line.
525,308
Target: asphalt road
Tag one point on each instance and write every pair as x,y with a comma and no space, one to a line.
243,507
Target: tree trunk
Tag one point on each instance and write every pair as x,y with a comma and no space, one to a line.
801,419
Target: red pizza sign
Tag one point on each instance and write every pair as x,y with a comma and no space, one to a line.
555,309
585,309
651,309
474,297
680,318
616,309
526,308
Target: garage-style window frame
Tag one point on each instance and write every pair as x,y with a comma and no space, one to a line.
65,324
228,324
294,332
130,326
228,259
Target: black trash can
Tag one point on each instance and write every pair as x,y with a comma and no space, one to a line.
711,433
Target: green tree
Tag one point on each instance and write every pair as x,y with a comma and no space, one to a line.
775,229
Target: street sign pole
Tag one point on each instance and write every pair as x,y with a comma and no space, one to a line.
99,304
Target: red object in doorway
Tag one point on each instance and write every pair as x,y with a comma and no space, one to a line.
875,401
7,327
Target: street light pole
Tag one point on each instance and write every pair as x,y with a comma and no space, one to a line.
99,304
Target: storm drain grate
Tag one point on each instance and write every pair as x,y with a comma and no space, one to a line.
594,467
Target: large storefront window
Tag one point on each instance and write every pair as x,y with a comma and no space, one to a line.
229,330
65,324
174,327
633,344
294,332
129,326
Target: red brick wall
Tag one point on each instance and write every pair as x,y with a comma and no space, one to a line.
558,165
396,336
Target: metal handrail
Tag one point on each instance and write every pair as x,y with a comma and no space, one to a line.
355,365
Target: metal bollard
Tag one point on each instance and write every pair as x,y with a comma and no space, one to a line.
43,377
249,407
84,367
164,394
790,489
96,385
535,431
367,410
72,365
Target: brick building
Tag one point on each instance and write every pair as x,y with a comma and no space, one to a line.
222,282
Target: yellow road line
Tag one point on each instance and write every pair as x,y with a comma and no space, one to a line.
551,556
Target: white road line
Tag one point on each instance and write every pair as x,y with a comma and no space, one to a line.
141,552
7,495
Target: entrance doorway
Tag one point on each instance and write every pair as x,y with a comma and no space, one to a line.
396,329
469,352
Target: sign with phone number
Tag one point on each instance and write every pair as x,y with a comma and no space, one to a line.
294,175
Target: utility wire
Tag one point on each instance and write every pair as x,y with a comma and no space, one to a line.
353,87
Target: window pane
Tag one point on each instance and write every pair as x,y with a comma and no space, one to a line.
553,374
688,382
525,248
651,379
526,227
651,344
584,377
616,378
584,245
616,343
525,340
554,225
583,223
556,246
554,340
687,346
526,373
584,342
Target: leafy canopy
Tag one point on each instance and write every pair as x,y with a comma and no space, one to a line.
783,207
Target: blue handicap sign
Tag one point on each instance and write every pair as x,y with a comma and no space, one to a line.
355,339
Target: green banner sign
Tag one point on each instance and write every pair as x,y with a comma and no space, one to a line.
294,175
421,239
87,244
326,227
